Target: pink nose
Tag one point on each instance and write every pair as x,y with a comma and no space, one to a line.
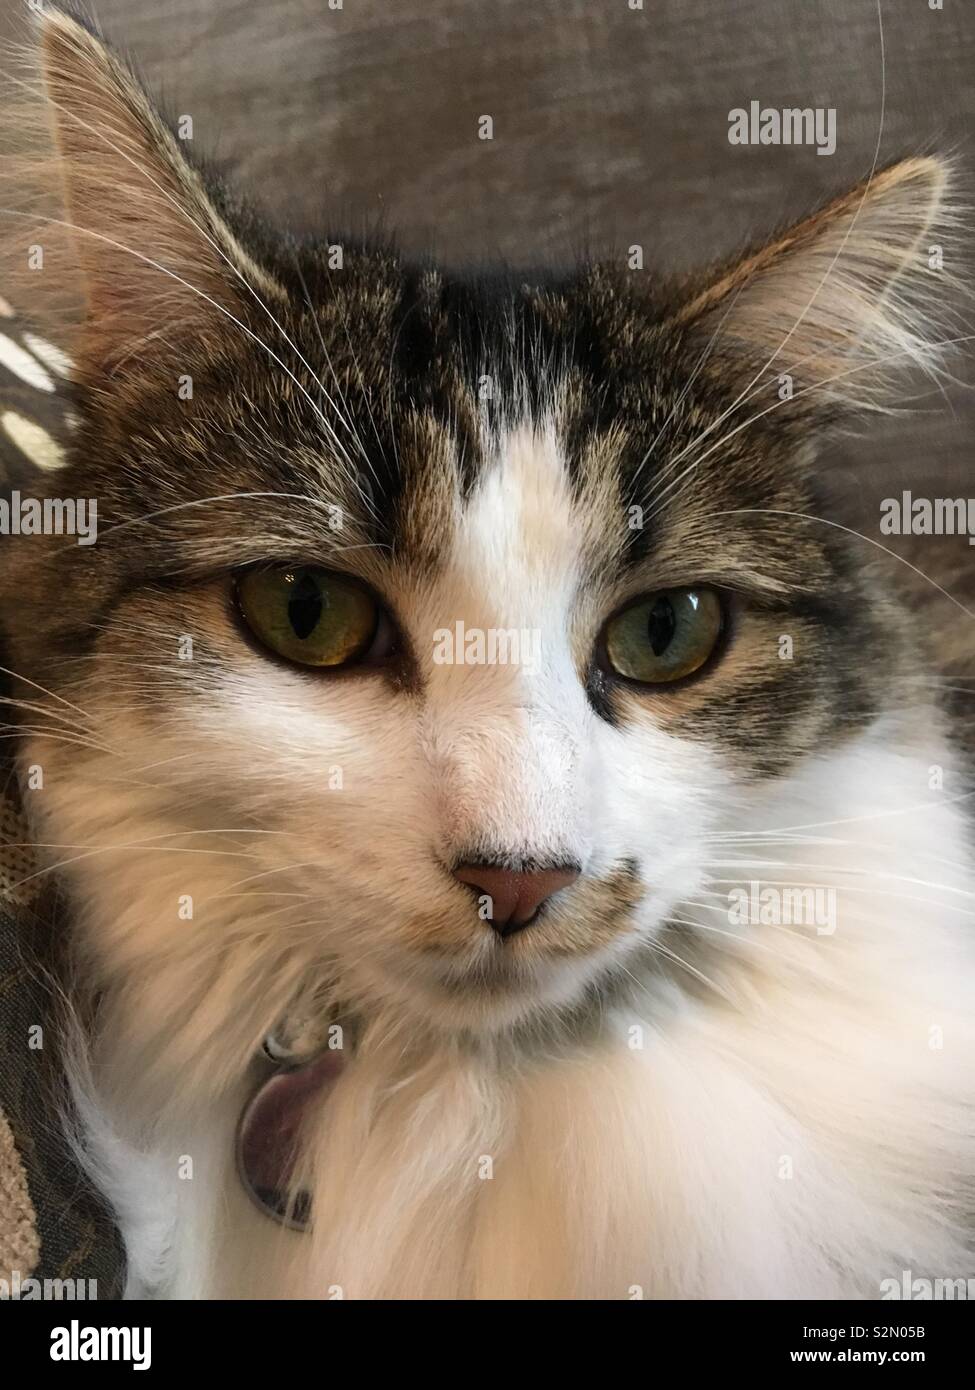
515,896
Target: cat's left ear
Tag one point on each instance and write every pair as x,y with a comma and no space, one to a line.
128,225
845,300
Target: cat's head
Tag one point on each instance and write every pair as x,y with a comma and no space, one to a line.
422,599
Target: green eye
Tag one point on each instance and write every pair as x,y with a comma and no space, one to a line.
308,615
665,636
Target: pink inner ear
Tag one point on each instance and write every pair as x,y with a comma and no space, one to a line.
269,1132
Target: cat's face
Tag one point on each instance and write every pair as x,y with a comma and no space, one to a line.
541,515
590,621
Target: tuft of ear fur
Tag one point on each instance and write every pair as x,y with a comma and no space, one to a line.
849,298
110,233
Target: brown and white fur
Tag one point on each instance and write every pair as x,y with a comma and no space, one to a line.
633,1096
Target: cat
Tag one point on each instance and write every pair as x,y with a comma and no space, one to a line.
462,699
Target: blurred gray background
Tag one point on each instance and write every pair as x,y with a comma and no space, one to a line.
610,126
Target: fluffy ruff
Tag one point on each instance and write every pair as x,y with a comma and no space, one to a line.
799,1127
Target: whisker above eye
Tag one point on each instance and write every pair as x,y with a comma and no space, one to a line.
659,498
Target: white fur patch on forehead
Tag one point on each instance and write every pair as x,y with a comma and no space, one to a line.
519,538
505,713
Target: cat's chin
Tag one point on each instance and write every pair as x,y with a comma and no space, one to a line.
486,1000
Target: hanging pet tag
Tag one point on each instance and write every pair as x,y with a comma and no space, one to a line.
268,1133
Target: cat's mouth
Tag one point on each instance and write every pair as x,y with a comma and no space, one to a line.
495,974
497,987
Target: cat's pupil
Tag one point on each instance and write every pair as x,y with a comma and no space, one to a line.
305,607
660,625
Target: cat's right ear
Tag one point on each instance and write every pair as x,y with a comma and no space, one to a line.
111,237
845,301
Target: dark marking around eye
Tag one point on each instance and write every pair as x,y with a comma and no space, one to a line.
599,692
